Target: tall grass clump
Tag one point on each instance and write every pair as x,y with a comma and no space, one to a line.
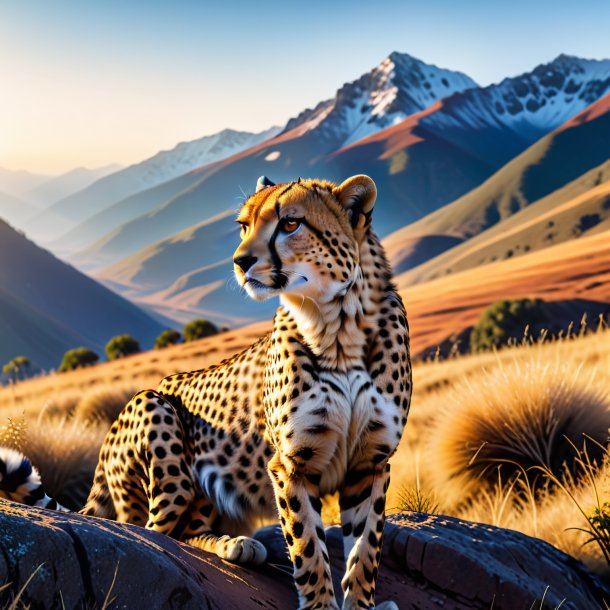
65,451
103,404
518,417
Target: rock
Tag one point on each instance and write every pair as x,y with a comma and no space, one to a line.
428,562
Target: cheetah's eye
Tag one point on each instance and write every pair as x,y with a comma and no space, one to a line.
290,225
244,228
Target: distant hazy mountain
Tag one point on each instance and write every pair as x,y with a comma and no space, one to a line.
18,182
66,213
61,186
48,307
573,152
15,211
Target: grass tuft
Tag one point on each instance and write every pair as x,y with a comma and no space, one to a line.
65,451
414,500
103,404
516,417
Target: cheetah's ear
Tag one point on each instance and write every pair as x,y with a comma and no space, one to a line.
262,183
357,195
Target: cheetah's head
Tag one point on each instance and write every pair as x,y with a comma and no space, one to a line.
303,237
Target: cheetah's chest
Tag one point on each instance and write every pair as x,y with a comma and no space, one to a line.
355,420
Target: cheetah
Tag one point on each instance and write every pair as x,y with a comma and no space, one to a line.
316,406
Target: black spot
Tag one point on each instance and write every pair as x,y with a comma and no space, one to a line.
297,529
309,549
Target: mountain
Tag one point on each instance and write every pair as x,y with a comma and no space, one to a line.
58,187
405,159
15,211
398,87
566,155
48,307
18,183
66,213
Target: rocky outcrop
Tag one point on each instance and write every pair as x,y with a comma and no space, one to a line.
428,562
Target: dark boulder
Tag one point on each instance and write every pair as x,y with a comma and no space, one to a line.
428,562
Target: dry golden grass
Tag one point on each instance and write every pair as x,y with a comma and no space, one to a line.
103,404
64,426
444,390
514,417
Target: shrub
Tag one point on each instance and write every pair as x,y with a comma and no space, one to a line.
121,346
199,328
17,368
520,417
505,320
167,337
103,405
77,358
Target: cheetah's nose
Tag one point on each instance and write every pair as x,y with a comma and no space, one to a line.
245,262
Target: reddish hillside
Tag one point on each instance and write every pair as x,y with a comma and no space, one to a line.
568,271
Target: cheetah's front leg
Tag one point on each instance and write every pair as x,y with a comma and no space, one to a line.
302,526
362,504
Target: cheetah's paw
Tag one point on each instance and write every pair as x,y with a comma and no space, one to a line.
241,550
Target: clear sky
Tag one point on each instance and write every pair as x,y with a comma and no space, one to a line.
92,82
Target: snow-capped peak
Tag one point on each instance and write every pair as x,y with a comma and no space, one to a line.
533,103
399,86
187,156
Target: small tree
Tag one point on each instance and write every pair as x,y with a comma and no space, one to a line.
167,337
77,358
505,320
17,368
121,346
199,328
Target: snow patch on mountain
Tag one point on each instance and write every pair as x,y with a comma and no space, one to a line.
187,156
398,87
533,103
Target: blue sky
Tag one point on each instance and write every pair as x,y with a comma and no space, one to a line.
95,82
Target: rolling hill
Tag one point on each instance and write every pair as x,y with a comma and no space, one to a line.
47,307
576,277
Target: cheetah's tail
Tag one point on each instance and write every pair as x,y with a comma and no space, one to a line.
20,481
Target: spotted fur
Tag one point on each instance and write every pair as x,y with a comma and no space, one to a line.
316,406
